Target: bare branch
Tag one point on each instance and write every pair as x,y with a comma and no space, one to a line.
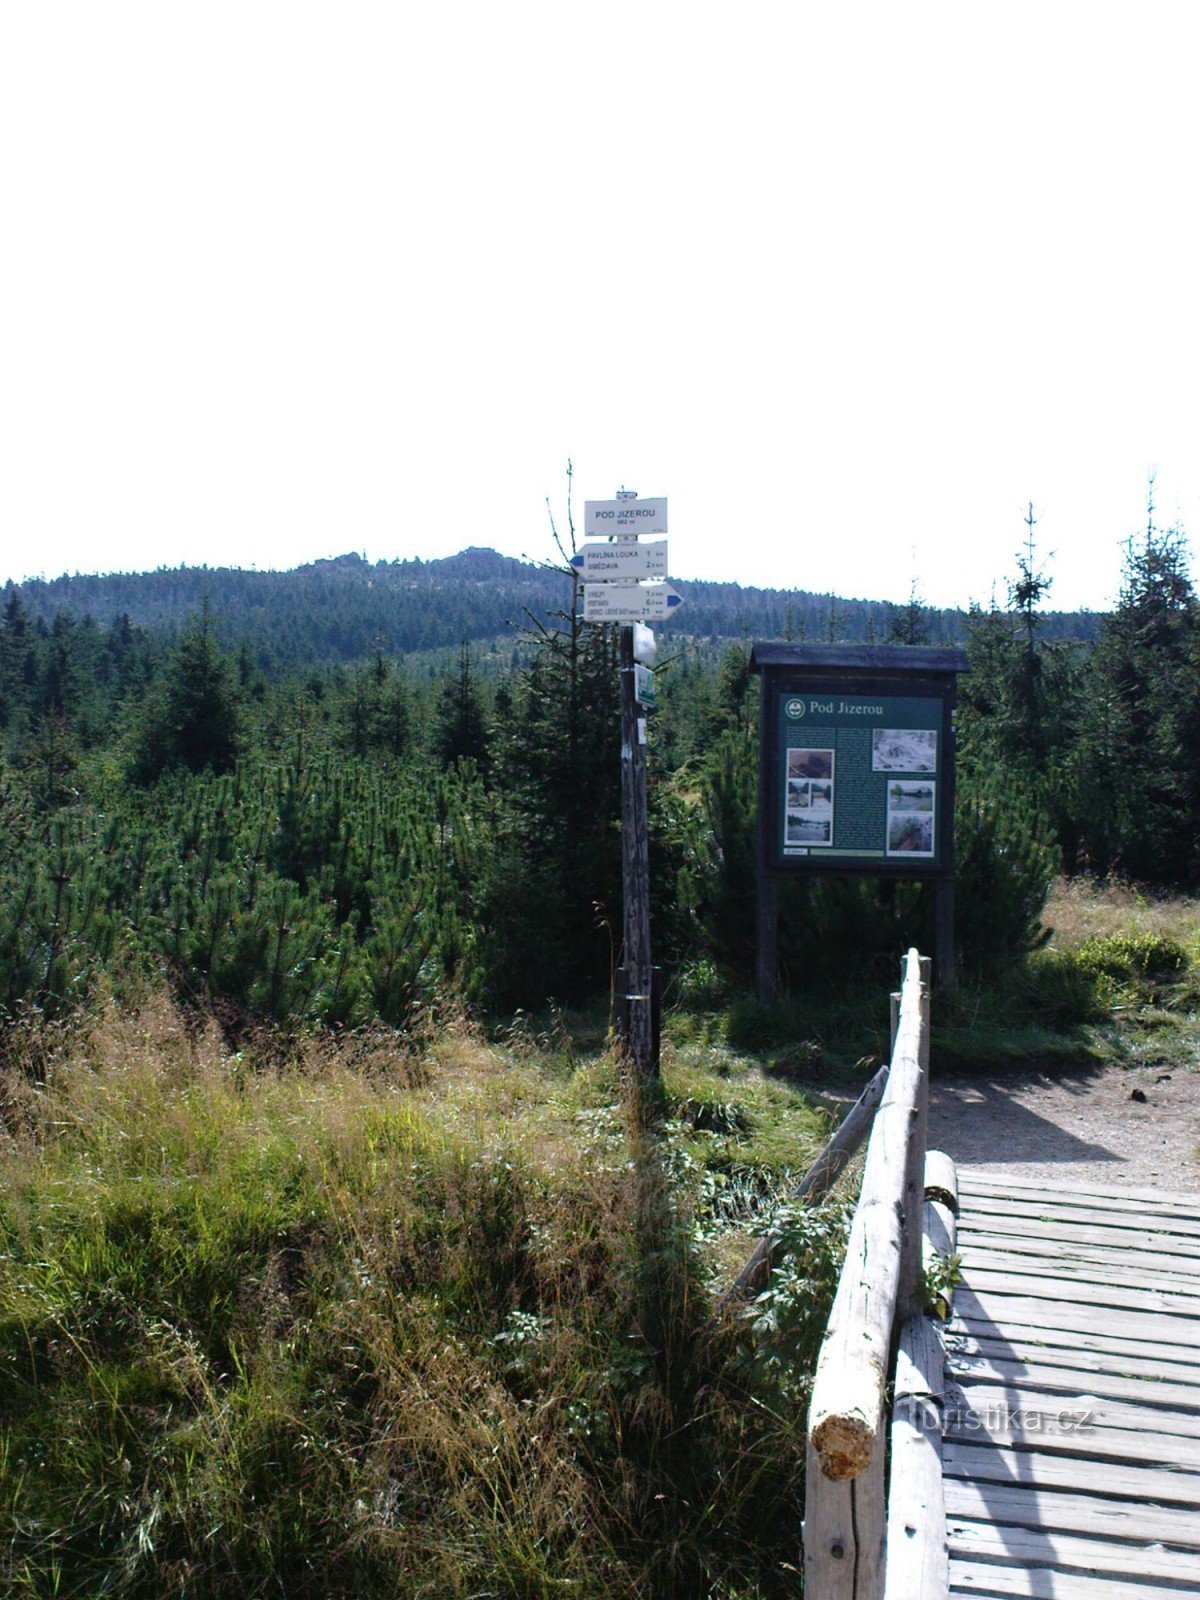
571,508
536,623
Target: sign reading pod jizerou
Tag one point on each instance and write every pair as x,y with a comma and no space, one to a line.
855,778
859,777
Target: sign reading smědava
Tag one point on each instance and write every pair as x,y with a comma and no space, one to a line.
614,562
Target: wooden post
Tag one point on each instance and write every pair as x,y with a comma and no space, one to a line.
941,1179
941,1219
910,1297
829,1533
767,899
846,1514
844,1531
635,872
852,1369
917,1564
767,953
845,1487
624,988
944,955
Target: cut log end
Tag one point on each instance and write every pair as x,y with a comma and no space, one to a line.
844,1446
941,1179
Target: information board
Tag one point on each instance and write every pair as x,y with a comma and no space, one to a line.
855,777
859,777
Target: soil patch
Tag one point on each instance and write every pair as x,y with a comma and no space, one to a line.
1139,1126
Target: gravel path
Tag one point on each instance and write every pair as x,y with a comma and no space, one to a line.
1139,1126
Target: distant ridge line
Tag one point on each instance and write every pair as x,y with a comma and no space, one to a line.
340,608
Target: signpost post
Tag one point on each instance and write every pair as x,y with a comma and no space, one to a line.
635,872
616,593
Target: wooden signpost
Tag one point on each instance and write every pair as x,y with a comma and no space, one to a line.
615,594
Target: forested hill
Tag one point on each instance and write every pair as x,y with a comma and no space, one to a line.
347,607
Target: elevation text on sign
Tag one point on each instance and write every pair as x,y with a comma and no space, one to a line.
638,517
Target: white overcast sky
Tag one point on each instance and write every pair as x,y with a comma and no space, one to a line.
850,284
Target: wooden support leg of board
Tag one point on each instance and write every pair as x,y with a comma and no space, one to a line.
945,960
767,953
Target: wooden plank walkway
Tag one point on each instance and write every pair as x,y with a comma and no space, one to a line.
1072,1453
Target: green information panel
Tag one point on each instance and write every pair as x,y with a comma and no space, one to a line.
859,777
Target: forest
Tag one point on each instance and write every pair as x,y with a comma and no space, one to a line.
339,840
343,609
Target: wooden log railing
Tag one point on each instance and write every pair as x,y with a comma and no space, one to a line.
850,1551
916,1565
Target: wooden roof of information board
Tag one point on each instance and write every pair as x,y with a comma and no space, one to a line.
891,658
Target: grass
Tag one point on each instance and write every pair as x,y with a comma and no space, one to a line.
1080,909
1118,983
435,1314
373,1316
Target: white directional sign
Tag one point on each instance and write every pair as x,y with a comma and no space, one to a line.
628,561
624,516
629,602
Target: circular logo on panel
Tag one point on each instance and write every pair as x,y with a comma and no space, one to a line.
794,709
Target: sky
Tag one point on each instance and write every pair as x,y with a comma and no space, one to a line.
849,285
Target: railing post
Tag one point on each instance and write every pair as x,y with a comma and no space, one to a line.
830,1541
910,1300
845,1506
845,1529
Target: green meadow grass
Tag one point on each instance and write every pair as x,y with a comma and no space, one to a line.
375,1317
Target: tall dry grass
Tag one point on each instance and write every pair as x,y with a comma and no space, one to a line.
1079,909
371,1315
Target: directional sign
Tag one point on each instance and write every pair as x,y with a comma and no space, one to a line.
628,561
629,602
624,516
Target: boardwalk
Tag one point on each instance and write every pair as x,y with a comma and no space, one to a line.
1072,1451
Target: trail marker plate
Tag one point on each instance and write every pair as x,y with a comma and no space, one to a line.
629,602
623,561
